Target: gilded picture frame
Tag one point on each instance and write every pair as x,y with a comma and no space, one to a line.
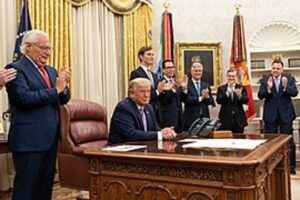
210,56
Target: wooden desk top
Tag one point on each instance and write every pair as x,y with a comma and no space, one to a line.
3,146
173,151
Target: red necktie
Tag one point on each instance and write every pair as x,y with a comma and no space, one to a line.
45,76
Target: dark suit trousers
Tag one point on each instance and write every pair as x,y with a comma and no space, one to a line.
34,174
285,128
231,125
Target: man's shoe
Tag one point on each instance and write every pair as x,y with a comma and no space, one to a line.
293,172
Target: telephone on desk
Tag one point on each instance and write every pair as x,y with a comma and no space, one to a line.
202,127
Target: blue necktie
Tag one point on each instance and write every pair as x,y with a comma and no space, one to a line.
198,87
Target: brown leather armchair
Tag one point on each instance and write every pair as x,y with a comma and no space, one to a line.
83,125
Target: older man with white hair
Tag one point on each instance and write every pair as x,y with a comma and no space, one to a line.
35,96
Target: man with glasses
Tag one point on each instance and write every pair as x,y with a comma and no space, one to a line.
35,96
169,100
231,96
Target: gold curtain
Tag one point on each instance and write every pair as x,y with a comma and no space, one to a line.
54,17
136,29
133,26
121,7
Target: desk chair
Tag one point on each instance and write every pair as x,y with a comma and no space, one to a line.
83,125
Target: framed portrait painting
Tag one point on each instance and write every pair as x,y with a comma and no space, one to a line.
209,54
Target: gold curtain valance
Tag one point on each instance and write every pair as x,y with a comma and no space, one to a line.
78,2
121,7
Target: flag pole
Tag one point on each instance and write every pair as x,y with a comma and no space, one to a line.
26,14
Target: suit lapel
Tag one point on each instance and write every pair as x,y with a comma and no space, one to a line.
35,71
52,75
143,73
137,113
148,118
194,89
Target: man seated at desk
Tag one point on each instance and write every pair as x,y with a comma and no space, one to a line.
133,118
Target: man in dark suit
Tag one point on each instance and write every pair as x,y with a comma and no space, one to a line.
169,101
232,96
133,118
279,112
35,96
198,97
146,57
6,75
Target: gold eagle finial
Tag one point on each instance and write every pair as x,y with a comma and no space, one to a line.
166,6
237,8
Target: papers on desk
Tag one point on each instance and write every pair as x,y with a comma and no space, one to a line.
124,148
223,143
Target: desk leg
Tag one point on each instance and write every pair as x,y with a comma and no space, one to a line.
280,182
94,171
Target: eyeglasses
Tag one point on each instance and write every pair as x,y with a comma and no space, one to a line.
43,48
170,67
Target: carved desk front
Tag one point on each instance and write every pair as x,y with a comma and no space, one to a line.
176,173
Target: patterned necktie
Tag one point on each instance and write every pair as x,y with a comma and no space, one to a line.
144,119
45,76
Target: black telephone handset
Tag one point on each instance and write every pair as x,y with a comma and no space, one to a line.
203,126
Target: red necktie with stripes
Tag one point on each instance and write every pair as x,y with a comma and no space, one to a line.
45,76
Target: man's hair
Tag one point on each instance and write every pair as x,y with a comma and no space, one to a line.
164,62
196,59
232,69
278,61
133,84
193,64
142,51
30,37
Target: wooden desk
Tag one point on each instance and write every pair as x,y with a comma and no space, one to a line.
3,146
192,174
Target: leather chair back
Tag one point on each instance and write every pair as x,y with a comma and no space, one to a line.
83,125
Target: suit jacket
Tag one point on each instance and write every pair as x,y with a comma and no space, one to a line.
140,73
126,123
34,108
232,107
194,109
278,104
170,109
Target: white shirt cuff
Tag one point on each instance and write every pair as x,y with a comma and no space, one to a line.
159,136
200,99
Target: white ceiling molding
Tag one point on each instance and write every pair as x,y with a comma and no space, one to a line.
275,36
